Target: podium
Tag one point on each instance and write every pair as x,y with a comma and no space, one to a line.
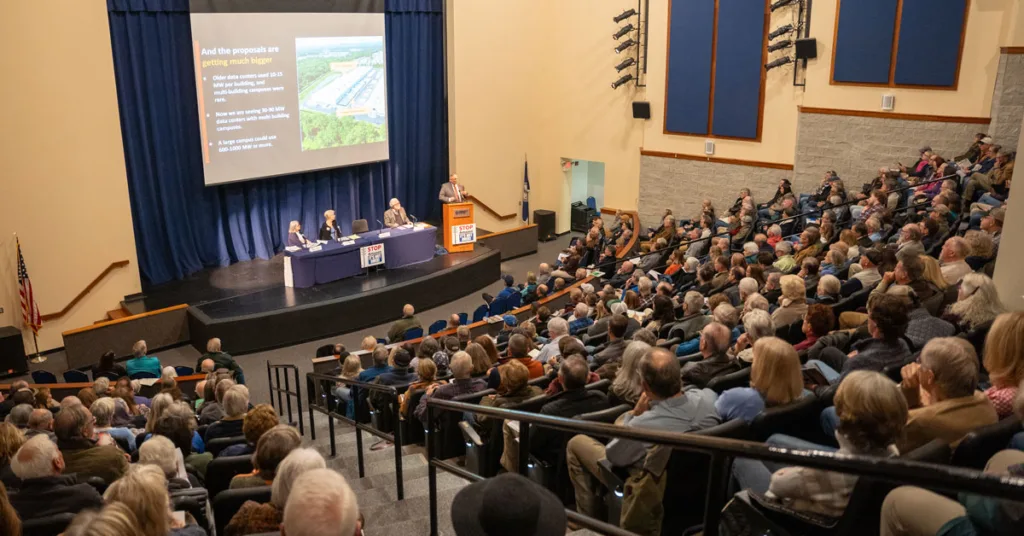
459,229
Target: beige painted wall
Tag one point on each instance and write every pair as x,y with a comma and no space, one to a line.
778,135
63,186
1011,252
531,80
989,24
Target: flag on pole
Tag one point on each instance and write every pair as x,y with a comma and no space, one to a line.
526,191
29,307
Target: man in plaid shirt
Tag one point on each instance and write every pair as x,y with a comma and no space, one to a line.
581,319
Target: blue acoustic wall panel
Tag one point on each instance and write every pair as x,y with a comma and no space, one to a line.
929,42
738,67
864,41
688,82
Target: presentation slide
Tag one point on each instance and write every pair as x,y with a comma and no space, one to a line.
286,92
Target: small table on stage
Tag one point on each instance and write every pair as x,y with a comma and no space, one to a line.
336,261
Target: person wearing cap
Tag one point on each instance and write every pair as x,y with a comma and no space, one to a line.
510,288
974,151
508,322
863,275
982,181
526,508
330,230
395,215
407,322
992,224
987,160
401,373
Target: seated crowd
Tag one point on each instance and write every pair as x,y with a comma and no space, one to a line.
875,302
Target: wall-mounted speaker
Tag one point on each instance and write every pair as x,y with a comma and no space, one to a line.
641,110
806,49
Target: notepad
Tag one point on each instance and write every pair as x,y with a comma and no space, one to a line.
292,248
348,242
384,235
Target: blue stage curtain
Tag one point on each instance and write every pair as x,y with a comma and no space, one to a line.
182,226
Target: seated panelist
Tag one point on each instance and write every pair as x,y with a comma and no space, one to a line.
395,216
330,229
295,237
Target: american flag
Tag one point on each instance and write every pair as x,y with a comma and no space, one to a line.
29,307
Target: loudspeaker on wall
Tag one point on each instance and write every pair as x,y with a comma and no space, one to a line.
641,110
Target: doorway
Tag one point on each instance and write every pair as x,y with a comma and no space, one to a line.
587,181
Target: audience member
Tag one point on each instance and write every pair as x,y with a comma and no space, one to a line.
321,503
144,491
954,259
40,422
221,360
161,452
20,415
612,352
1004,361
527,508
557,328
114,519
663,406
254,517
142,362
426,373
627,386
818,322
74,429
573,400
407,322
792,302
236,403
11,440
107,365
44,491
271,448
103,415
715,361
257,422
462,383
977,303
775,380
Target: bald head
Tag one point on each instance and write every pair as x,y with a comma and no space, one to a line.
660,372
207,365
41,419
408,310
714,339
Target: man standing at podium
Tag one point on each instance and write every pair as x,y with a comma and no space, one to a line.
395,216
452,191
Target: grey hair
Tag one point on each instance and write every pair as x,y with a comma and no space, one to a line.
775,230
954,363
582,310
747,287
694,301
159,451
830,284
557,326
20,415
294,464
784,247
35,458
213,345
139,349
750,248
756,302
627,384
758,324
236,401
692,263
319,498
461,365
618,308
103,411
727,315
101,385
644,285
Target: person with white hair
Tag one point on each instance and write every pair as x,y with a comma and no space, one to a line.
321,503
395,215
750,251
167,374
103,411
748,286
256,518
20,416
221,360
295,236
953,256
235,403
557,328
142,362
757,324
580,319
330,230
161,452
44,490
408,321
714,347
102,386
785,262
40,422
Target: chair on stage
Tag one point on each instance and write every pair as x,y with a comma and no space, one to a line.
463,319
184,371
75,376
437,326
412,333
142,375
480,313
325,350
360,226
42,376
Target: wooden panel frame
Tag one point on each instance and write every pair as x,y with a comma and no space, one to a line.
895,50
717,160
892,115
711,94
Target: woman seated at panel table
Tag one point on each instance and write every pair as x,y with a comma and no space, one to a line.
295,237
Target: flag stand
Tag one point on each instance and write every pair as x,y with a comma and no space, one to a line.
36,357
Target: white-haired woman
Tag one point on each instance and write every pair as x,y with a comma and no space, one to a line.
236,404
977,303
330,230
295,237
256,518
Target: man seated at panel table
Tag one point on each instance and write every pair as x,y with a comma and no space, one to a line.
395,216
330,230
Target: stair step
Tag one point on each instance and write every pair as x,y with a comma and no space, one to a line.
115,314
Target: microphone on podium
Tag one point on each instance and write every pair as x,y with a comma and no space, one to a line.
414,220
381,224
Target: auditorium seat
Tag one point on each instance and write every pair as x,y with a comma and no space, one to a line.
143,375
75,376
220,471
975,449
214,446
437,326
740,378
480,313
228,502
412,333
184,371
797,419
110,375
463,318
51,525
43,376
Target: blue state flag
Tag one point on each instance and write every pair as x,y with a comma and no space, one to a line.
526,191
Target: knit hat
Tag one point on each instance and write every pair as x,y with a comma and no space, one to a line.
507,504
509,320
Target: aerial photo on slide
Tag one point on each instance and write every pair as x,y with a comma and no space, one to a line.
342,93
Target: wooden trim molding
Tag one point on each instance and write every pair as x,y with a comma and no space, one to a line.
628,246
507,231
489,210
611,211
83,385
113,266
717,160
1011,50
125,319
891,115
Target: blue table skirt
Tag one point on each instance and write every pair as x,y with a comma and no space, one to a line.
335,261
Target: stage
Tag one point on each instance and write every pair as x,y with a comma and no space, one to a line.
247,305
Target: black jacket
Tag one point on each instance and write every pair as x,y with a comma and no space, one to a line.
612,353
51,495
702,372
325,230
545,443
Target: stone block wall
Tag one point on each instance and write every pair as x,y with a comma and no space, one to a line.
681,185
855,147
1008,101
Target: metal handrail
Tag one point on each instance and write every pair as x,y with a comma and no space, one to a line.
286,392
721,450
314,384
